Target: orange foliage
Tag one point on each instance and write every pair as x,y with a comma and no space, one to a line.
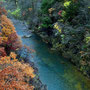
7,26
15,75
2,52
8,34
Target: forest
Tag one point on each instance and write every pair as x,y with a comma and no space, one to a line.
44,45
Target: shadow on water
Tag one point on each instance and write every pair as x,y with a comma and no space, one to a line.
54,71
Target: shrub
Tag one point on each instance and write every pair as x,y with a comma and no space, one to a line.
46,4
16,13
46,22
57,27
2,9
2,52
71,9
9,36
14,74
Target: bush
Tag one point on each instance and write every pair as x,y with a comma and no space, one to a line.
71,9
46,4
14,74
16,13
9,37
46,22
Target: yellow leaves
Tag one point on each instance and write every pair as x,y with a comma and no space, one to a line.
12,79
13,55
30,9
26,69
56,26
17,72
50,10
5,39
2,39
13,73
29,71
67,3
5,60
7,26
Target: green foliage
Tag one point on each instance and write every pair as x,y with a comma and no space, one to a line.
67,3
70,10
46,22
16,13
87,39
46,4
46,25
2,0
63,13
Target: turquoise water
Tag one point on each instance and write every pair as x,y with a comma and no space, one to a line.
54,71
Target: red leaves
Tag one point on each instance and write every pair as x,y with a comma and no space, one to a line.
8,34
2,52
2,9
14,75
60,13
14,41
12,79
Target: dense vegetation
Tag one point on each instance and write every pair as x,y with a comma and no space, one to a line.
63,24
15,73
67,24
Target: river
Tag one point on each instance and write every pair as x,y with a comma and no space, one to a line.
54,71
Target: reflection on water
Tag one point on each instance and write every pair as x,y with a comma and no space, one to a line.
54,70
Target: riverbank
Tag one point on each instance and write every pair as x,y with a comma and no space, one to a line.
16,69
26,54
54,71
71,55
65,26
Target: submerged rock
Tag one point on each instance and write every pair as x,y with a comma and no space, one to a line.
26,36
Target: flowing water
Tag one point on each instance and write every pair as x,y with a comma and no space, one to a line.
54,71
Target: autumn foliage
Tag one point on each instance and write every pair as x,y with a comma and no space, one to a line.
2,9
9,39
8,34
14,75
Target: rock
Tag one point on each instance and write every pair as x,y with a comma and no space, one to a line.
26,36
